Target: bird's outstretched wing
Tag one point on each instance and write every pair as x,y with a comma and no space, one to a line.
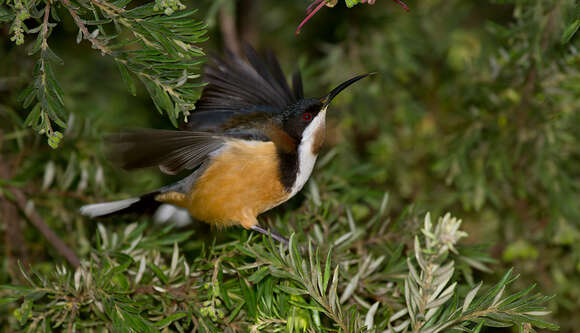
172,151
240,98
241,92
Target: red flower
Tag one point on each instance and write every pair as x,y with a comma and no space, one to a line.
315,6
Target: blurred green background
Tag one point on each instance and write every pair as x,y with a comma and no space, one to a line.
475,110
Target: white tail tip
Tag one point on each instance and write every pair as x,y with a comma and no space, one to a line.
100,209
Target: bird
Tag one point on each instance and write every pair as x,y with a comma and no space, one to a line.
250,144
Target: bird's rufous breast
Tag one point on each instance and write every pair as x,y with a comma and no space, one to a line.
241,182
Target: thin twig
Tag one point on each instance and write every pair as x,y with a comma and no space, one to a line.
39,223
229,30
96,43
15,246
22,202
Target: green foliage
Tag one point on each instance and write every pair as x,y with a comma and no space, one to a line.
487,120
428,293
139,282
473,112
156,42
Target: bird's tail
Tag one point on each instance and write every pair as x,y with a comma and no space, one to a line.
141,205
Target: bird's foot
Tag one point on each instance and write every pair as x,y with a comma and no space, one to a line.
271,233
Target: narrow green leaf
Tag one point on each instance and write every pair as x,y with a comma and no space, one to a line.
470,296
235,312
249,297
479,326
313,307
259,275
327,268
168,320
127,78
7,300
570,31
291,290
158,272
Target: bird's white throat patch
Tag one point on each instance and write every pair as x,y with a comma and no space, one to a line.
306,155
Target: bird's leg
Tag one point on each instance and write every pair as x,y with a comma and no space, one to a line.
270,232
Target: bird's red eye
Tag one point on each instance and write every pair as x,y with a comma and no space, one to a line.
307,116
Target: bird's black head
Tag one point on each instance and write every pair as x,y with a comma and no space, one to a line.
298,116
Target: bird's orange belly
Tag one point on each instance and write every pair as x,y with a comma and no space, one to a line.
241,182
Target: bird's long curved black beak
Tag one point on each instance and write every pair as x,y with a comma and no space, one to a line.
328,98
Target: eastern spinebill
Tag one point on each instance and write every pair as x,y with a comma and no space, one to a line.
250,145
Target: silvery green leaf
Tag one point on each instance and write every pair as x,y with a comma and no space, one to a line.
318,234
375,264
475,264
327,267
431,312
79,36
410,307
413,272
88,278
49,172
129,229
370,317
361,301
181,81
84,181
449,290
427,223
497,297
174,259
141,271
159,289
441,282
398,315
342,238
99,176
418,254
333,289
77,278
402,326
114,240
384,203
29,207
315,193
437,291
445,269
444,297
350,220
365,265
350,288
537,313
415,294
439,301
290,250
103,234
470,296
133,245
70,172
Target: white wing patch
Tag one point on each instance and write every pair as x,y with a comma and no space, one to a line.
306,158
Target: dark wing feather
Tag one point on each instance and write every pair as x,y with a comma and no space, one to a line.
297,85
239,86
172,151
